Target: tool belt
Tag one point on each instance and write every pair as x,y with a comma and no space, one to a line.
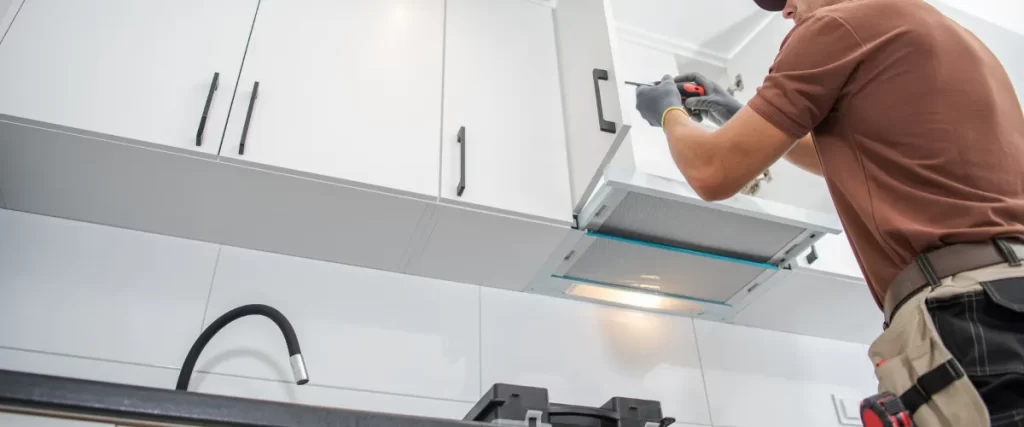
930,267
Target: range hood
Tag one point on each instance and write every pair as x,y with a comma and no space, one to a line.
643,234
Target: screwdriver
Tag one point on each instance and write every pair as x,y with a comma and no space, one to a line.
688,90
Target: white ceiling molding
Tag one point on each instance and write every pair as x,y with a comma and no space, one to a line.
668,45
746,40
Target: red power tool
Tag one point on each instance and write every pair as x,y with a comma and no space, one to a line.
686,90
884,410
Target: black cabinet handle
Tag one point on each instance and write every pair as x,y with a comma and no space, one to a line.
248,116
462,162
206,110
606,126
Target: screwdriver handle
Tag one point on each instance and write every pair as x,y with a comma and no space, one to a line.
690,90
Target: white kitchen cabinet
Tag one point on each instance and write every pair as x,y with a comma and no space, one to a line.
597,121
343,91
510,167
503,144
136,71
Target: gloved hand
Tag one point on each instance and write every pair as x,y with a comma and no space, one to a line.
654,101
716,105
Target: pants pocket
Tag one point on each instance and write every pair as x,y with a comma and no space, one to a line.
908,350
984,331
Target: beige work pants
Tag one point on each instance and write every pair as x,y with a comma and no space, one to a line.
913,346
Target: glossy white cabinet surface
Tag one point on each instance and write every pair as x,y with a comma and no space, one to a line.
139,70
753,376
349,91
586,353
312,394
587,45
501,88
21,420
358,328
107,293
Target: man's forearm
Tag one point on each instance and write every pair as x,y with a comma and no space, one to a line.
805,156
693,152
718,164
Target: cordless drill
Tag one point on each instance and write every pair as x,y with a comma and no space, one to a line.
686,90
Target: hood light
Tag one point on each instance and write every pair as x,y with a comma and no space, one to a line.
631,298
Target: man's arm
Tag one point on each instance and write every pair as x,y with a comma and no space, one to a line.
718,164
805,156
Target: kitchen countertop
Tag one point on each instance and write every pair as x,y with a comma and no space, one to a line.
119,403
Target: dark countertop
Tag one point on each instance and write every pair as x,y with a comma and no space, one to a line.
125,404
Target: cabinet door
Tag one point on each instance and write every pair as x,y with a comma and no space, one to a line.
504,143
343,90
597,122
137,70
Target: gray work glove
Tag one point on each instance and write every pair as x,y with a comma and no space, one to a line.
717,106
654,101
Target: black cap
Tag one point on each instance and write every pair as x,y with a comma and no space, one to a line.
771,5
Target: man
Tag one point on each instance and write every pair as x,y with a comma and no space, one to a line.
920,137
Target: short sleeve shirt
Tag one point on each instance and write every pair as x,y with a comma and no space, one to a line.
918,129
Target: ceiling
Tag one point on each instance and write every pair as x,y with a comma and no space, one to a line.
714,27
713,30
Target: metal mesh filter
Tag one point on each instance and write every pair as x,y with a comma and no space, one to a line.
652,219
673,272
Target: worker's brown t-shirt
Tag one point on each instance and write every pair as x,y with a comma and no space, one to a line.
918,129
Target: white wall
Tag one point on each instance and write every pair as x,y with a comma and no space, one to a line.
102,303
1004,13
1005,40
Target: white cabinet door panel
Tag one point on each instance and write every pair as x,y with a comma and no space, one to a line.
596,121
349,91
138,70
502,90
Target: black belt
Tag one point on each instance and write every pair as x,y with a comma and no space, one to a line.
930,267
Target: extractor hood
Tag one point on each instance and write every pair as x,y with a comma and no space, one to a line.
643,234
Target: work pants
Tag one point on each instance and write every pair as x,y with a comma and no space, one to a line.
970,326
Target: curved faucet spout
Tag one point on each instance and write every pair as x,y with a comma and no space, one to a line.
298,364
